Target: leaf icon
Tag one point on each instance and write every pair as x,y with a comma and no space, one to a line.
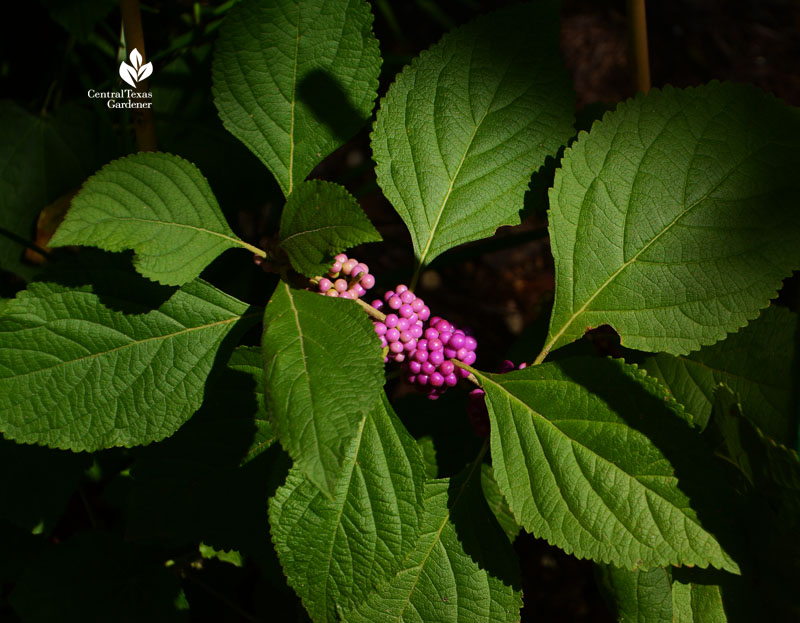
144,71
128,73
136,59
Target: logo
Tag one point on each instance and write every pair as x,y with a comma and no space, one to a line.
128,98
135,72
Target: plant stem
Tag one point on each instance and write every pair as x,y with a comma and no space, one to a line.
637,30
371,311
471,378
25,243
143,120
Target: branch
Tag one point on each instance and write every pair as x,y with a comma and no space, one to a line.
143,120
637,29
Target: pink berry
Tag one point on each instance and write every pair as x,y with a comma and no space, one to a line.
337,266
392,335
405,310
395,302
380,328
450,353
451,380
417,305
470,358
435,344
425,313
437,380
332,292
377,304
422,379
447,367
420,355
391,320
470,343
401,288
396,347
347,267
340,285
431,334
341,258
367,281
405,336
415,366
456,341
428,368
407,297
436,357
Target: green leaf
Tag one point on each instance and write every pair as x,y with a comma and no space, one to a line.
697,603
674,220
37,484
593,456
41,158
464,127
321,219
706,596
462,569
755,362
641,596
773,470
294,80
334,551
767,476
428,449
230,556
323,371
248,360
497,503
157,204
90,367
95,577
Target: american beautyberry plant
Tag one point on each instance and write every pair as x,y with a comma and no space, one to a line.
673,220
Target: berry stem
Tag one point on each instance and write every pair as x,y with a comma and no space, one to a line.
471,378
371,311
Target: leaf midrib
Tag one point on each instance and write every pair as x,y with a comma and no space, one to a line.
312,419
294,101
128,345
438,536
582,309
236,241
592,453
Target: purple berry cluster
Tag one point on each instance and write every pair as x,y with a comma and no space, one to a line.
337,282
424,344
